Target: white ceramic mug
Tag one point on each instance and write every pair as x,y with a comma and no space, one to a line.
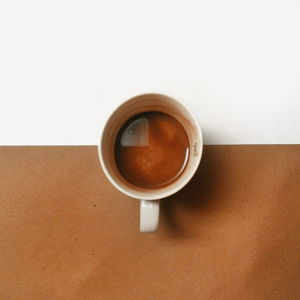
149,198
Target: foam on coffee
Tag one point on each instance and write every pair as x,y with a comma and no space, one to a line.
151,149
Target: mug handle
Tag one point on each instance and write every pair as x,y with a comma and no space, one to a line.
149,215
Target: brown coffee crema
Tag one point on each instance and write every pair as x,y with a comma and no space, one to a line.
151,149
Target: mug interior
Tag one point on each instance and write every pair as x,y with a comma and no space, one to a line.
132,107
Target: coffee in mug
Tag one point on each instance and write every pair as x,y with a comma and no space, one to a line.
151,149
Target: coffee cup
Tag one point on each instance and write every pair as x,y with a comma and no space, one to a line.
145,127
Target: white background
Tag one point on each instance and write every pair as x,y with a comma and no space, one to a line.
64,65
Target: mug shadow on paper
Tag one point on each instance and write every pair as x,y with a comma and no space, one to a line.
196,198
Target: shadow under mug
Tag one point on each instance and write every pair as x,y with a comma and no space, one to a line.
149,198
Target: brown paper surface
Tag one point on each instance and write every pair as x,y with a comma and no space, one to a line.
232,233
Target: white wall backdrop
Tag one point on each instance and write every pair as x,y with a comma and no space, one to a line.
64,65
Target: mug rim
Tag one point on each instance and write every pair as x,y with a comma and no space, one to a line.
176,188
